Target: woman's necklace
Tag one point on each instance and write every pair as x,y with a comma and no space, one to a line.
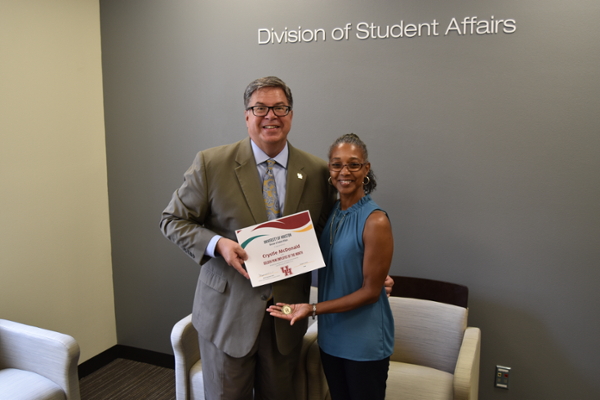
337,226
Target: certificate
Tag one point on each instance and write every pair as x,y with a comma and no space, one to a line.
280,248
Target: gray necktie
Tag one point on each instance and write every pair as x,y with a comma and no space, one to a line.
270,192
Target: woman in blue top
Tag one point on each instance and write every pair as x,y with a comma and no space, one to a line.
356,327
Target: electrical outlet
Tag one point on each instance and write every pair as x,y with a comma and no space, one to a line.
502,377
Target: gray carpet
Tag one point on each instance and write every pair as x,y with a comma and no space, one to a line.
129,380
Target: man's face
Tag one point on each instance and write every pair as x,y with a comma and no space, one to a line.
269,132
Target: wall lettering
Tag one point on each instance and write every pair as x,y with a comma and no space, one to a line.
470,25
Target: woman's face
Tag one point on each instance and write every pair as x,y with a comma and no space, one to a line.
348,183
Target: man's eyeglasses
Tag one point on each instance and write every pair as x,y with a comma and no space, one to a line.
352,167
261,111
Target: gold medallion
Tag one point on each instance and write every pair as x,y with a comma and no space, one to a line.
286,309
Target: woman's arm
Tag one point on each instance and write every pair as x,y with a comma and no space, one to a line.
379,248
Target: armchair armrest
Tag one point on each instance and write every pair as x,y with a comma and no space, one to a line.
466,373
184,339
317,383
301,376
50,354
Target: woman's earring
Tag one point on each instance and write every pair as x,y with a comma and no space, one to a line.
367,182
329,180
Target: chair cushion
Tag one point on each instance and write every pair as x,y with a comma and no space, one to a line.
414,382
427,333
16,384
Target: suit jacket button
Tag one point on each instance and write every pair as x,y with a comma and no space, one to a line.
263,297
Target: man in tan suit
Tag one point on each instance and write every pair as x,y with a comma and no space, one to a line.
245,351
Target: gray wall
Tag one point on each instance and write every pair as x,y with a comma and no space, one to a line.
486,149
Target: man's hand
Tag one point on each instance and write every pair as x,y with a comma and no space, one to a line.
388,283
233,254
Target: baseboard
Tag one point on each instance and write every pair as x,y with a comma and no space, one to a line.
128,353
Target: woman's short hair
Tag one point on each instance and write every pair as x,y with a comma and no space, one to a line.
352,138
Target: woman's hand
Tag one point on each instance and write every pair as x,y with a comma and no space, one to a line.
298,311
388,284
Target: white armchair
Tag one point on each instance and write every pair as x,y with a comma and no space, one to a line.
189,384
436,356
37,363
188,365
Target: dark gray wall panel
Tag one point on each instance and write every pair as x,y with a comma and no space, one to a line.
486,149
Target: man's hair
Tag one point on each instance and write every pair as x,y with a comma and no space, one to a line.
267,82
352,138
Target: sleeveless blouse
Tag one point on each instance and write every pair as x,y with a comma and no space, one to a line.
366,333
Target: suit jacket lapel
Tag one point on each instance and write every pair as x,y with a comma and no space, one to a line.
249,181
296,177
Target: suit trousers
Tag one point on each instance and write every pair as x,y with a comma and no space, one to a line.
263,374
